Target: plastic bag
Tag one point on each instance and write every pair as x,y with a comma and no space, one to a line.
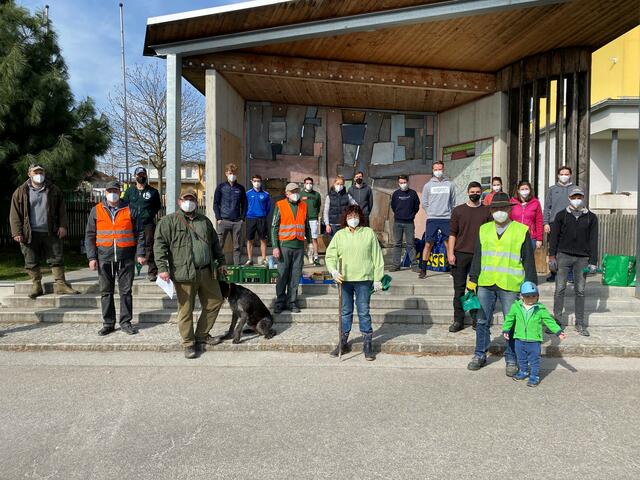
437,261
470,302
618,270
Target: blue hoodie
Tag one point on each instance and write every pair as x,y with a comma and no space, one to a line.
258,203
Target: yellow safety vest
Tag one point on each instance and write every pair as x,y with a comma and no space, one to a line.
501,263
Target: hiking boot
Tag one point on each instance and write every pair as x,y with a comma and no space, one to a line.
60,285
36,287
367,347
533,381
520,376
209,340
277,309
511,369
423,273
394,268
106,330
582,330
456,327
128,329
344,346
191,352
477,363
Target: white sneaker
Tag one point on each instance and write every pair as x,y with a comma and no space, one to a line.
248,262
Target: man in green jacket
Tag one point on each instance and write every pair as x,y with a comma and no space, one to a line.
313,200
528,316
187,252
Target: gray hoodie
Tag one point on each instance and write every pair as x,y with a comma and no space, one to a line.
363,197
557,199
439,198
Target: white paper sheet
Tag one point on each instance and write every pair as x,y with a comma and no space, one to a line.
167,287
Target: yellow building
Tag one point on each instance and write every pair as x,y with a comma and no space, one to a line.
192,175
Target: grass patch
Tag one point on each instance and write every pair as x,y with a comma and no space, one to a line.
12,264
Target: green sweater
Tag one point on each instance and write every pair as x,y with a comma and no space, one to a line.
529,323
314,200
360,253
275,227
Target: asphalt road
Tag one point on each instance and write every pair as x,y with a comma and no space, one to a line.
288,416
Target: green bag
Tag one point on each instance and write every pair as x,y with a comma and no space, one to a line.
619,270
470,302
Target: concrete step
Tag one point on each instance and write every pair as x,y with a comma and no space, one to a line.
308,316
396,339
432,302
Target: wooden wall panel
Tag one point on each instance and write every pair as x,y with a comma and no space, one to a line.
334,143
295,119
371,136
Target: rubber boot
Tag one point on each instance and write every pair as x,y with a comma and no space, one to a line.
60,285
344,346
367,347
36,287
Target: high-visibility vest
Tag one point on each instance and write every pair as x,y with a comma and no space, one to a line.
117,232
501,262
291,228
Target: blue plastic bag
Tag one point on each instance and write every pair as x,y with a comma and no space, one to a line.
437,261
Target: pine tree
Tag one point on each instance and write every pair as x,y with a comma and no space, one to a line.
39,119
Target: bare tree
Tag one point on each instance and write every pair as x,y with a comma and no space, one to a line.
146,121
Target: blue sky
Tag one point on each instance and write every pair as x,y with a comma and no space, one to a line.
89,35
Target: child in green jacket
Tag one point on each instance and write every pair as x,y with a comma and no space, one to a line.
528,316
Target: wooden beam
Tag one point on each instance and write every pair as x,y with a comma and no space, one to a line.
345,72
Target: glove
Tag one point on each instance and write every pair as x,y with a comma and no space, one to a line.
593,269
377,286
472,286
337,276
553,265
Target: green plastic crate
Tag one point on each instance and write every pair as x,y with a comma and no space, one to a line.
233,274
253,275
272,275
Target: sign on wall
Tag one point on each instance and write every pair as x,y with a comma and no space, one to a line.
468,162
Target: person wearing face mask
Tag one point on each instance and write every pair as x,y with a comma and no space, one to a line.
496,187
503,259
528,211
405,203
113,239
362,194
572,248
38,220
362,270
313,200
557,200
258,208
188,253
438,200
230,207
335,205
146,200
466,220
289,231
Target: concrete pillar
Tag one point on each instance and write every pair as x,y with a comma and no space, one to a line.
213,165
174,136
614,161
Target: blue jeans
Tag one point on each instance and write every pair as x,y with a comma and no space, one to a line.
528,354
361,291
488,297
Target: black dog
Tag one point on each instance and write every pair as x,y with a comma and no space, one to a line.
247,308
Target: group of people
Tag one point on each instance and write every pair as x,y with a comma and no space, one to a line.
490,242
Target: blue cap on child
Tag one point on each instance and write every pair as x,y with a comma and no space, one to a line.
528,288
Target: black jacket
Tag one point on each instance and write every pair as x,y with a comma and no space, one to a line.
146,202
575,236
405,205
230,202
363,197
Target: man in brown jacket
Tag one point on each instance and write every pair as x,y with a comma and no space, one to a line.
38,220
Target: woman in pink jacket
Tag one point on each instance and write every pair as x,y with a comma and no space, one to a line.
527,210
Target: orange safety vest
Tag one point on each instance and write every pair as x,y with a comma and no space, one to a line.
291,228
118,232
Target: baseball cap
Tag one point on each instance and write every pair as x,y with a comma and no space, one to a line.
35,166
140,170
189,192
113,185
576,191
291,186
528,288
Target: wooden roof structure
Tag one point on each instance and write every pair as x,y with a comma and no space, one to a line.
416,55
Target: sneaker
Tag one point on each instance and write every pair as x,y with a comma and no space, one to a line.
551,278
520,375
277,309
209,340
316,261
128,329
294,308
582,330
106,330
423,274
511,369
394,268
456,327
533,381
248,263
477,363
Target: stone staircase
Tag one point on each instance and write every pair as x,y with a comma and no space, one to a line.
413,316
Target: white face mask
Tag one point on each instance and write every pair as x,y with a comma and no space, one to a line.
294,197
576,202
496,188
438,173
404,186
500,216
112,197
308,187
524,193
353,222
257,185
38,178
187,206
564,178
338,188
231,178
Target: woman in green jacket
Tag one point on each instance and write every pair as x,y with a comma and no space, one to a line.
362,269
528,315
